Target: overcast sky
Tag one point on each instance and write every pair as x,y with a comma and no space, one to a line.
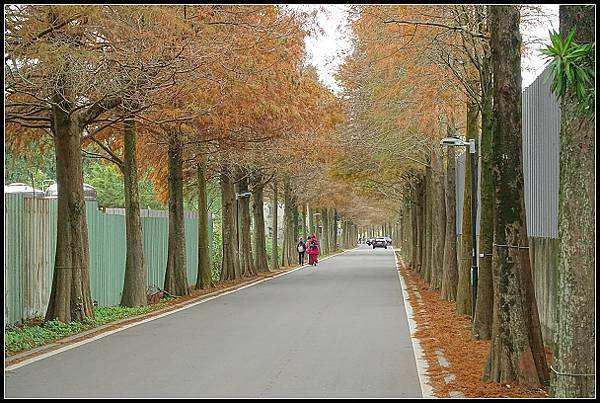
326,51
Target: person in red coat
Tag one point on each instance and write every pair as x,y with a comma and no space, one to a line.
312,250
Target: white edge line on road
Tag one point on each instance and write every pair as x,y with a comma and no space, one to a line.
91,339
426,389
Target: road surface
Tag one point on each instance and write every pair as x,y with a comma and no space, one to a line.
337,330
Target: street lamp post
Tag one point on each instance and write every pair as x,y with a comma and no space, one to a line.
238,196
454,142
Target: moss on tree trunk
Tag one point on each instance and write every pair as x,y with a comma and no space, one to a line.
482,326
176,274
70,296
450,275
204,276
260,247
274,249
245,244
134,283
463,292
438,223
516,348
230,263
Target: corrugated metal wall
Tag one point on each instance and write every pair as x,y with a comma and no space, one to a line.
541,145
30,246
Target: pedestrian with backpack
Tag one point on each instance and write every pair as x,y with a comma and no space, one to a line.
313,250
301,248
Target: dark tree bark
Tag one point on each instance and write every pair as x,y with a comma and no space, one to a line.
260,246
70,297
246,259
288,257
176,275
296,227
274,253
420,226
334,233
204,277
230,266
439,223
324,242
427,247
516,348
463,292
450,275
415,228
575,331
482,326
134,284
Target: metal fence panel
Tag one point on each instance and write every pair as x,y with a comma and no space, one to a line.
13,242
30,247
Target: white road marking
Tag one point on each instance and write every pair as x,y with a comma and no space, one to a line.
426,389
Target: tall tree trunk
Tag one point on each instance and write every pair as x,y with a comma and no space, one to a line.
463,292
439,223
134,284
287,258
230,266
204,277
305,225
324,242
70,296
260,246
426,274
311,224
482,326
420,226
176,274
246,260
274,253
575,331
335,237
516,348
296,227
450,275
415,228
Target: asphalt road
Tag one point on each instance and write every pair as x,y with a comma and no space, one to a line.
337,330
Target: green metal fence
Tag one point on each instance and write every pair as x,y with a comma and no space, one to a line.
30,245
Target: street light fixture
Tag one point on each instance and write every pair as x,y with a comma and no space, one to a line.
237,214
456,142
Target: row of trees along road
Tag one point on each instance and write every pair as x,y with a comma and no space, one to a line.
219,94
193,94
420,73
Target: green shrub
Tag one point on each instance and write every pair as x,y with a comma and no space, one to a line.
19,338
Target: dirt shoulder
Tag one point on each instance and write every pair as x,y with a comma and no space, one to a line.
443,333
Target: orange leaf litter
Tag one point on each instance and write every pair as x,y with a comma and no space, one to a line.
440,328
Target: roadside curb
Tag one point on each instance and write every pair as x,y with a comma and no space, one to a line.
21,359
441,358
420,361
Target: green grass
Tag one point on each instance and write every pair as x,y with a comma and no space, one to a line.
27,337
